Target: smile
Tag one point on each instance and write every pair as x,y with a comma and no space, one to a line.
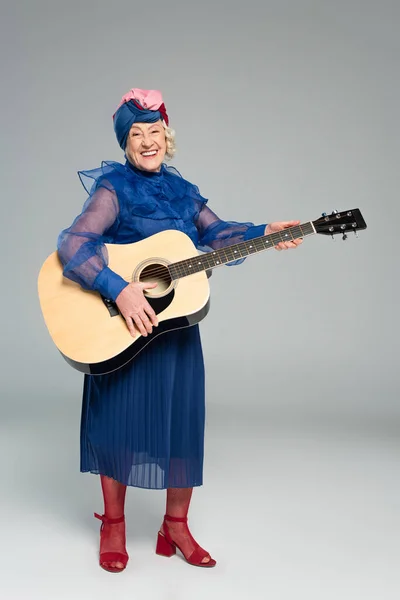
150,153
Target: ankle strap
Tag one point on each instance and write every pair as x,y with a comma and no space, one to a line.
109,521
176,519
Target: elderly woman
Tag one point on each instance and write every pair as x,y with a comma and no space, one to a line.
143,425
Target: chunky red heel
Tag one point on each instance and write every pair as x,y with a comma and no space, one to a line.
109,557
164,548
167,547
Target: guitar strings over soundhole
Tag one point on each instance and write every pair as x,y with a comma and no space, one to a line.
156,272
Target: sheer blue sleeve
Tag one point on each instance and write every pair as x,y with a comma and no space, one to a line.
81,246
214,233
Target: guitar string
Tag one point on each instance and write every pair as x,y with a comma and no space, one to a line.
161,269
161,275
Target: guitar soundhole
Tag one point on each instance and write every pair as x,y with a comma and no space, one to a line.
156,273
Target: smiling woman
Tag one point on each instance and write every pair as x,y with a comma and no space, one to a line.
147,145
143,425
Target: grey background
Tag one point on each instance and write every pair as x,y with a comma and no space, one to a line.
282,110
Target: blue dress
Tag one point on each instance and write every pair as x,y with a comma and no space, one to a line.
143,425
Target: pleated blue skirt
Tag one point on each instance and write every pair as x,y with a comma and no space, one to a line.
143,425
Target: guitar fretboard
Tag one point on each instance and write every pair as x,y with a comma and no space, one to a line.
216,258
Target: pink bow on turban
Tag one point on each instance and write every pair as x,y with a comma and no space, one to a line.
149,99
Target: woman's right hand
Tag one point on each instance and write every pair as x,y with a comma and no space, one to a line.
135,309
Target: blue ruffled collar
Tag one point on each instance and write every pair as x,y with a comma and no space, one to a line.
147,174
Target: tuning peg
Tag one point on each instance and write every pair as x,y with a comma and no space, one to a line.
323,215
334,212
356,234
344,237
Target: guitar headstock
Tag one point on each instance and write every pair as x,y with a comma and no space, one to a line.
340,222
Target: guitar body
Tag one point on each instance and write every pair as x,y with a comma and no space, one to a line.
89,331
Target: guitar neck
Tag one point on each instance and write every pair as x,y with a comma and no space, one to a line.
216,258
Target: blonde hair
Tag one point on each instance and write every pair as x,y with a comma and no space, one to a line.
170,140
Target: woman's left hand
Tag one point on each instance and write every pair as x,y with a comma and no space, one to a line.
278,226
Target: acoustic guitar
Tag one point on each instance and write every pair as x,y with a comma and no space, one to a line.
90,332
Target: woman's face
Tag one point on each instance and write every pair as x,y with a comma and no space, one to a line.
146,146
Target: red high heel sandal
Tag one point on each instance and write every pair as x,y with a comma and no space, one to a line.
108,557
167,547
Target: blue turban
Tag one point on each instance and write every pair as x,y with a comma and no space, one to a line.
131,112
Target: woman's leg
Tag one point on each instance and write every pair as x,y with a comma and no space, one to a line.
113,536
178,501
